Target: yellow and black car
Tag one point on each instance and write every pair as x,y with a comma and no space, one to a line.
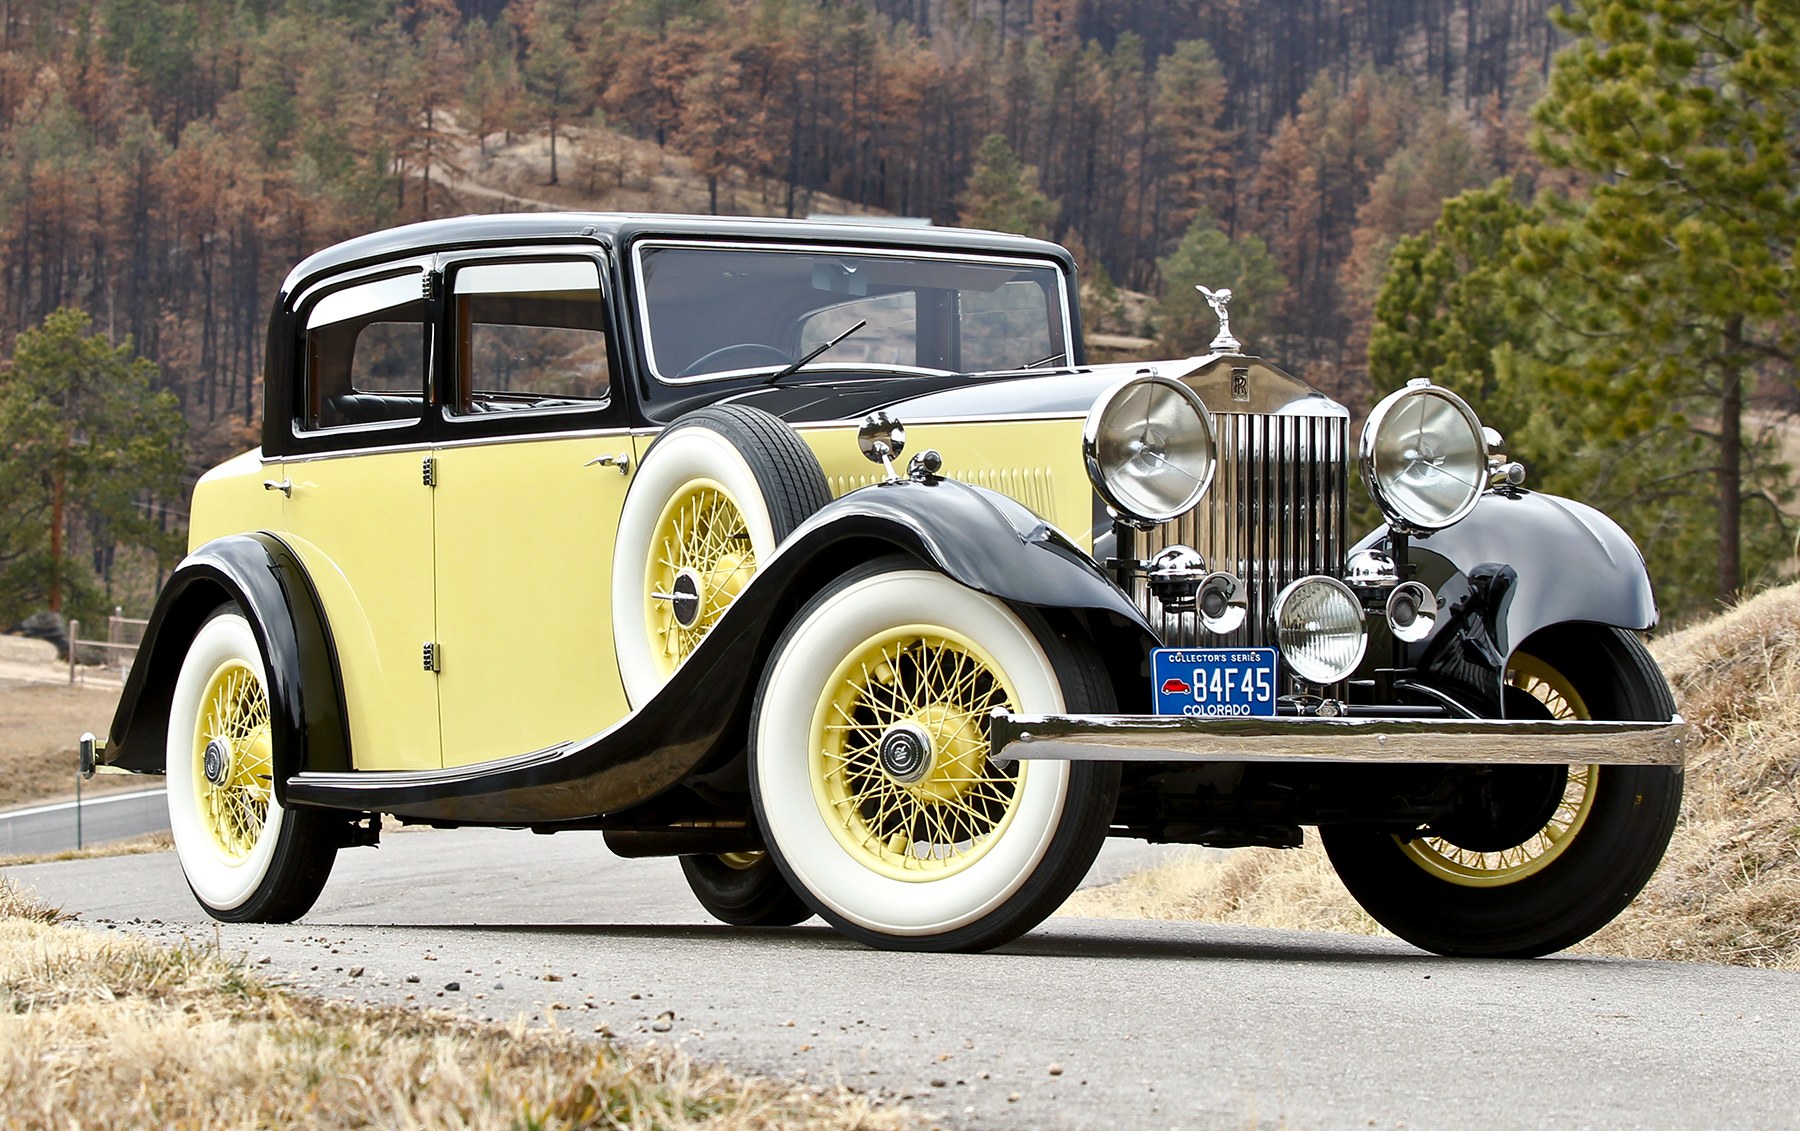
816,555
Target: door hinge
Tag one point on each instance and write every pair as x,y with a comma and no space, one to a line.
428,286
431,471
433,656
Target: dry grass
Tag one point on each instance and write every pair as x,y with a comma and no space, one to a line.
135,846
39,726
1729,887
1293,889
119,1033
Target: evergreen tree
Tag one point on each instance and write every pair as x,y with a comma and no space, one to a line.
1678,260
88,436
1003,193
1208,257
1445,307
552,68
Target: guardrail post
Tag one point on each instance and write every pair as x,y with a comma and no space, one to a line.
74,634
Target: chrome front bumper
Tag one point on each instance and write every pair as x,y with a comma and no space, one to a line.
1158,738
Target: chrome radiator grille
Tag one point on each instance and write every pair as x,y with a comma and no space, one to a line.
1275,512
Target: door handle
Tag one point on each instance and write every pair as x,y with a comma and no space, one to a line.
285,486
622,461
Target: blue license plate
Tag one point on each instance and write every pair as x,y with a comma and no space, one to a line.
1214,683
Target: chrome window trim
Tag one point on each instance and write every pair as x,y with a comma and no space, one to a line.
450,263
302,306
642,320
460,271
464,442
298,303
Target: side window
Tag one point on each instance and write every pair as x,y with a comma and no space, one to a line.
529,336
365,356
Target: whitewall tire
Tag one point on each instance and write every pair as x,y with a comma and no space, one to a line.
246,858
869,765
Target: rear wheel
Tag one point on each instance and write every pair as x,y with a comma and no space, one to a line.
1542,856
246,858
870,768
744,889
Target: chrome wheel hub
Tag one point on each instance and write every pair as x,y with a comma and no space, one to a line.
216,762
905,753
687,598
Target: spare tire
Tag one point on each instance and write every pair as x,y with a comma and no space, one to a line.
714,495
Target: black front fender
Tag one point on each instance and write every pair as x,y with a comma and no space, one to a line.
309,726
981,538
1518,564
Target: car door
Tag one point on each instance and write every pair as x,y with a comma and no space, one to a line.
531,468
357,510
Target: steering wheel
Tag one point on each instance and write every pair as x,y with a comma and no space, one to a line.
752,353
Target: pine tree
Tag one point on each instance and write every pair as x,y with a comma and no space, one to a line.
1208,257
1444,310
87,434
1003,193
1679,115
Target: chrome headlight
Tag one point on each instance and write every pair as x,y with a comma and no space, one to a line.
1150,448
1319,626
1424,456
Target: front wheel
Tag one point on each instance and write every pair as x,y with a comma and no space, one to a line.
870,772
1551,853
246,858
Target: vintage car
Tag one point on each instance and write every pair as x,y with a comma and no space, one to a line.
816,555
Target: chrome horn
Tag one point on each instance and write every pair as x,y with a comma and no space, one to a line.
1412,611
1223,602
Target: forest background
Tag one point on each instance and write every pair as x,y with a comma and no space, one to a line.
1609,285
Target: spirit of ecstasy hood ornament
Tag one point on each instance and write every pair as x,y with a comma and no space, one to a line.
1223,342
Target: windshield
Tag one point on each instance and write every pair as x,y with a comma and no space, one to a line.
714,310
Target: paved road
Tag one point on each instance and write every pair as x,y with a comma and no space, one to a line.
100,818
1152,1024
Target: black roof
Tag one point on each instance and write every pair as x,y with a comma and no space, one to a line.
623,227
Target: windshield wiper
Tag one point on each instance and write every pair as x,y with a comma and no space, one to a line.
1057,356
807,360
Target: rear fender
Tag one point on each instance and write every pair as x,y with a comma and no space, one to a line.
309,726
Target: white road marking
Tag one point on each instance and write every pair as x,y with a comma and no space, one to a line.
84,803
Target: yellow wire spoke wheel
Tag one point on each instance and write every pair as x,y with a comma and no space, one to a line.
1472,868
233,769
246,857
900,764
700,559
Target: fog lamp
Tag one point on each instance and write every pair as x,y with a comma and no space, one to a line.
1319,627
1175,576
